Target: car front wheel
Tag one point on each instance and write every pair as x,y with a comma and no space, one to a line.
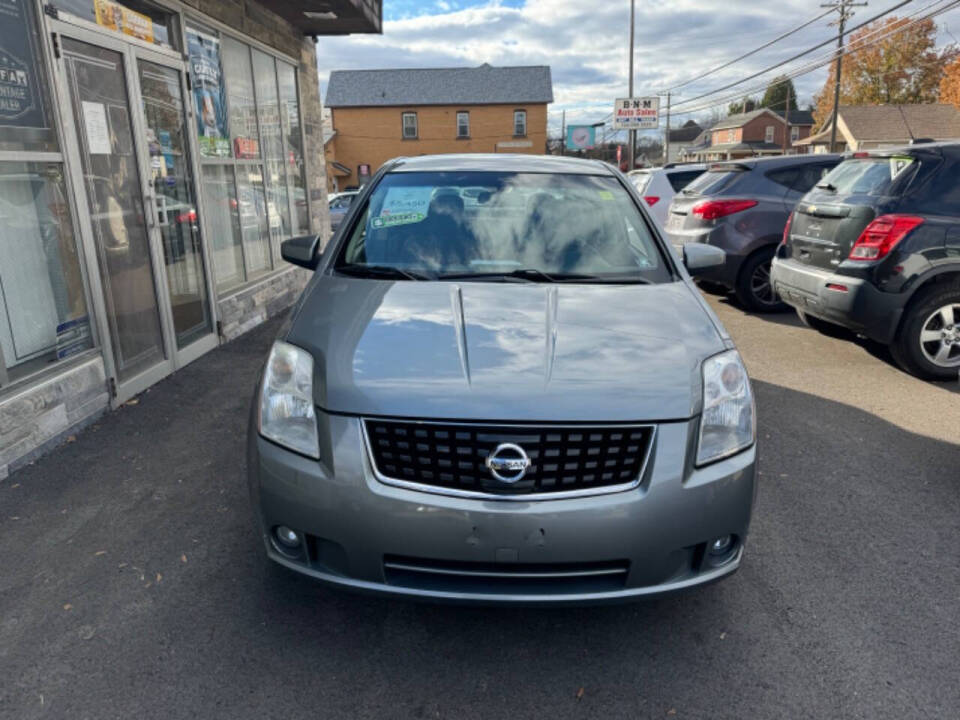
928,344
754,289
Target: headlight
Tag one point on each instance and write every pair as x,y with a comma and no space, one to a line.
726,426
286,400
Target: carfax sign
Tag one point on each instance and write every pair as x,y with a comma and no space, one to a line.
20,104
636,113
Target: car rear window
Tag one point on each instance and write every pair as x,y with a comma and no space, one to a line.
679,180
713,181
867,176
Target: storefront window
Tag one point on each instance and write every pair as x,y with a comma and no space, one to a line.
135,18
248,123
43,310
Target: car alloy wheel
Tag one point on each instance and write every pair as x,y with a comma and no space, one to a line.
940,336
761,287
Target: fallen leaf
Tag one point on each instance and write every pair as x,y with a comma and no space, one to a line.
68,606
159,578
15,486
98,553
72,439
672,711
86,632
132,401
723,635
122,565
580,694
183,558
14,517
147,584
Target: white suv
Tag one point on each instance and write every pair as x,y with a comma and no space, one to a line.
659,185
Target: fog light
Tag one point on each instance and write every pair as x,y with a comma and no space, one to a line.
287,537
721,545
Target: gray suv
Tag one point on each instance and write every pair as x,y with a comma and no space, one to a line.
517,399
742,208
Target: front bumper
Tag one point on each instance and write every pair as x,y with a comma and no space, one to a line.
364,535
861,307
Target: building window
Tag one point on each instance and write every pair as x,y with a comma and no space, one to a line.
135,18
768,134
463,124
43,305
794,133
520,123
248,123
410,129
731,135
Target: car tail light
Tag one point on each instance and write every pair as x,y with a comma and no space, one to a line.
786,229
651,199
713,209
189,216
882,235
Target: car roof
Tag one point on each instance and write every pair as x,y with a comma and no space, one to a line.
500,162
951,147
769,163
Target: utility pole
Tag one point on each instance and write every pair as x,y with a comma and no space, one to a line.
633,133
563,133
786,121
844,8
666,136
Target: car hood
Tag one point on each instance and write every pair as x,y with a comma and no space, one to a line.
505,351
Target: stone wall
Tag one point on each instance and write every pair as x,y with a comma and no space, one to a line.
253,305
42,415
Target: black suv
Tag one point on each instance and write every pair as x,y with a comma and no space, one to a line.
742,207
875,247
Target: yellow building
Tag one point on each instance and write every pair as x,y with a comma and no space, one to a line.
378,115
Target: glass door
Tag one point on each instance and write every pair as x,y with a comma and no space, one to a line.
132,133
172,195
100,98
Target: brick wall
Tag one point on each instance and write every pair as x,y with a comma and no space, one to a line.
374,135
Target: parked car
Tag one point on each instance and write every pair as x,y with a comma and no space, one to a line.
659,185
742,208
534,406
875,247
339,206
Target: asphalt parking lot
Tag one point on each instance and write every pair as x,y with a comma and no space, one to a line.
131,585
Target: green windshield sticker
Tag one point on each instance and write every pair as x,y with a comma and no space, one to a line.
398,219
605,195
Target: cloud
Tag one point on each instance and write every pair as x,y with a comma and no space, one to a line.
585,44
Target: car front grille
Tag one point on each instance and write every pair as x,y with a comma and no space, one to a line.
505,578
451,457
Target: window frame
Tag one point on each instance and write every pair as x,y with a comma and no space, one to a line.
794,133
461,114
518,113
205,24
769,134
403,125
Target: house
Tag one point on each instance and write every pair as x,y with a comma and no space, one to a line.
863,127
381,114
751,134
682,136
801,127
696,149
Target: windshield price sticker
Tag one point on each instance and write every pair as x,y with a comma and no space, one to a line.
398,219
404,205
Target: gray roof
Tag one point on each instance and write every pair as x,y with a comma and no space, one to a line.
900,123
687,132
484,85
799,117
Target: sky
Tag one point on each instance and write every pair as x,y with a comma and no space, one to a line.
586,45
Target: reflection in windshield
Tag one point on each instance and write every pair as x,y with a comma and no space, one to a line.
482,223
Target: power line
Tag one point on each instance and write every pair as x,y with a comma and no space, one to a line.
794,57
752,52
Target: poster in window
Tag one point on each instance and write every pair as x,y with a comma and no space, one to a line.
116,17
206,76
20,103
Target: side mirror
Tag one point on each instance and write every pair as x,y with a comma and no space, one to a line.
698,257
301,251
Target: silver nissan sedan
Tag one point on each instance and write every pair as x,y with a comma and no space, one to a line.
501,386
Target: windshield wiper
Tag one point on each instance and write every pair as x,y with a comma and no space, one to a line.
380,271
827,186
535,275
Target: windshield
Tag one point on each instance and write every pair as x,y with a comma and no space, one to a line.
712,181
866,176
520,226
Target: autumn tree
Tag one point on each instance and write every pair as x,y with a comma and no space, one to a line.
902,68
775,97
950,84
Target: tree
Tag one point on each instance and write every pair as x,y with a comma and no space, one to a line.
746,105
775,97
950,84
903,68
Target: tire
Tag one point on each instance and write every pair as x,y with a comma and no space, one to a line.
753,288
822,326
934,315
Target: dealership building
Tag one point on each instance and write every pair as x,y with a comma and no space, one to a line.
153,156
